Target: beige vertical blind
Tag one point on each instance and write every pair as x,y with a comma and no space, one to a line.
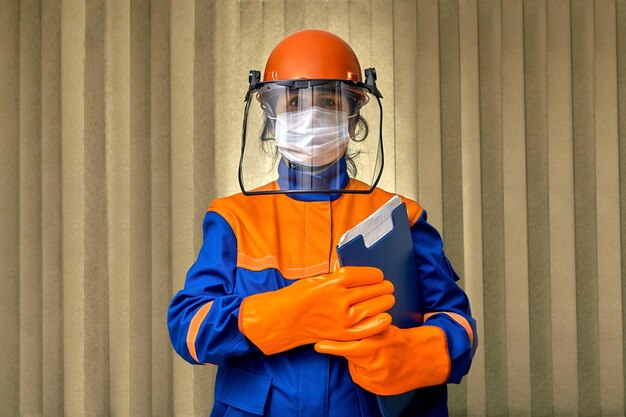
120,121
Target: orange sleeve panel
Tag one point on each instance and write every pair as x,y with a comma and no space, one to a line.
194,327
459,319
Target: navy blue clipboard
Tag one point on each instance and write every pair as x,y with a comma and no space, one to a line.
393,254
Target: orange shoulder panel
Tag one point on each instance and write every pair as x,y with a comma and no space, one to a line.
380,197
270,231
297,238
414,210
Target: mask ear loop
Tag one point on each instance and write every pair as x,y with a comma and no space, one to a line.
267,110
358,105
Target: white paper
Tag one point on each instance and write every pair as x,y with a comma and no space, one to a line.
377,225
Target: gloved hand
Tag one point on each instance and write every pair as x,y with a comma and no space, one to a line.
347,304
396,360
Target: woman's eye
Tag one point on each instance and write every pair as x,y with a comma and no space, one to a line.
293,102
328,102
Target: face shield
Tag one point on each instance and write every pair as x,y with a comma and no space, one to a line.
311,136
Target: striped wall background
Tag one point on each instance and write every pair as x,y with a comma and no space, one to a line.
120,121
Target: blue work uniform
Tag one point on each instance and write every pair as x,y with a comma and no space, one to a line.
264,243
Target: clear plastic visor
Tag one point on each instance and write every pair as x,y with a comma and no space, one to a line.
311,137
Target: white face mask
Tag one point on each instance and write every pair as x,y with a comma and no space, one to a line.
312,137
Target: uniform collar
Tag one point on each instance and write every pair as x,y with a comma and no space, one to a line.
333,178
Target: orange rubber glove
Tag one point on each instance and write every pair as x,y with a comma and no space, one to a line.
395,361
347,304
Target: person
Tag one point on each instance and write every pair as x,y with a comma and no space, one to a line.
292,333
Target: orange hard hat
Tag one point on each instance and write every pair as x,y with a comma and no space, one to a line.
314,55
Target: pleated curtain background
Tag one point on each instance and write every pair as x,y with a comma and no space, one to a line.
120,121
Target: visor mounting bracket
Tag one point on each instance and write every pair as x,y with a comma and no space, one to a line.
297,84
254,77
370,81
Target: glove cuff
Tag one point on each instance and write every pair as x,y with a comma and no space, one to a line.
433,363
426,362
